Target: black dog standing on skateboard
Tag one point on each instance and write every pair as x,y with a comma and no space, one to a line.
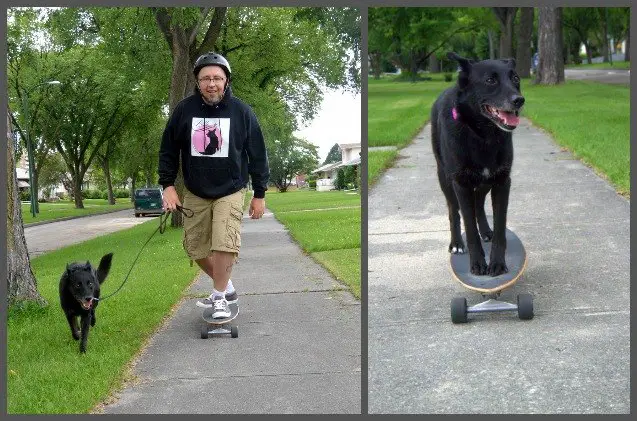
80,293
471,125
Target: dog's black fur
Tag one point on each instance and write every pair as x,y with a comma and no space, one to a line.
474,153
80,293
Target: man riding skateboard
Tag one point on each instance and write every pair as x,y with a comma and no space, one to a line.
214,182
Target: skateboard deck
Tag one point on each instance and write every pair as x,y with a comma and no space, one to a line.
219,326
207,315
515,259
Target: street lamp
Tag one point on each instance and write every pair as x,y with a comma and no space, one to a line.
25,111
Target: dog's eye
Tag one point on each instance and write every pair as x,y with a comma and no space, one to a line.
516,79
90,284
491,81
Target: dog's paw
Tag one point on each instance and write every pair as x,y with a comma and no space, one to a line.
76,335
479,267
457,247
497,268
486,236
83,349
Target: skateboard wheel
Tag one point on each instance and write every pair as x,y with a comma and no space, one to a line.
459,310
234,332
204,331
525,306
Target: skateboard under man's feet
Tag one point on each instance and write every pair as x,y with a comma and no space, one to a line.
213,326
491,286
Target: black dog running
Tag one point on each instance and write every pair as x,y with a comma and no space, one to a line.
79,295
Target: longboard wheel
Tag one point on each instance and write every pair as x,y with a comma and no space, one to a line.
525,306
234,332
204,331
459,310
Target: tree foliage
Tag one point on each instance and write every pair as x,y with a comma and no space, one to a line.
290,157
334,155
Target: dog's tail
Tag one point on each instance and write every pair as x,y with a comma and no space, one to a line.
105,267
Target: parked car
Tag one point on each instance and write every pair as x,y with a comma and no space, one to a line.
148,201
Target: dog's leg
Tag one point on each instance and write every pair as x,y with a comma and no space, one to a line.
467,201
86,321
481,194
500,201
93,319
456,246
73,324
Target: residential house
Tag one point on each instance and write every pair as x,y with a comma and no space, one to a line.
350,155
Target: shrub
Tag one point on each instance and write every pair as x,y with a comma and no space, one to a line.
448,77
25,195
121,193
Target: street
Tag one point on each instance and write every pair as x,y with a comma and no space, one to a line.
47,237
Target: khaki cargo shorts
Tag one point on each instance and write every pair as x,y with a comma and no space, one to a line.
214,225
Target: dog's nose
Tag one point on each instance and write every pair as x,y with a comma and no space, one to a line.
518,101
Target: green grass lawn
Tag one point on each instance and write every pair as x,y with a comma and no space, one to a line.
377,162
399,110
46,372
590,119
623,65
62,209
327,225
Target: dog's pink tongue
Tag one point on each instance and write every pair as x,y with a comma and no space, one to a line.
510,119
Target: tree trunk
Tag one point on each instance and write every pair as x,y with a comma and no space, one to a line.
491,45
627,54
434,64
77,193
525,31
21,283
506,16
551,65
375,63
103,160
605,52
589,53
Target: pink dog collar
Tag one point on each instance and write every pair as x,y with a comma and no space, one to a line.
454,113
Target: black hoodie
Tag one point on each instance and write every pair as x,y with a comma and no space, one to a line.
218,153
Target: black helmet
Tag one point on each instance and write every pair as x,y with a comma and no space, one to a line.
212,59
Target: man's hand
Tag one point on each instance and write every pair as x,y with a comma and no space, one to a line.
257,207
171,199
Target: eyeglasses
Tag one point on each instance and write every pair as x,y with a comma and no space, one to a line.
217,80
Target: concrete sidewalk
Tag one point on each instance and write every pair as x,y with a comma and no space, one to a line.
573,357
298,349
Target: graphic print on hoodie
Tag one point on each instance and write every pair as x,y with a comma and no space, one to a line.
210,137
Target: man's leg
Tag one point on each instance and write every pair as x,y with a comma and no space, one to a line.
219,259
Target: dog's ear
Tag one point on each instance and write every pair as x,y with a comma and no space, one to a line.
509,61
87,266
465,68
105,267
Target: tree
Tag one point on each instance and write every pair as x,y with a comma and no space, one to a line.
21,283
290,157
409,36
334,155
524,53
582,21
506,17
551,63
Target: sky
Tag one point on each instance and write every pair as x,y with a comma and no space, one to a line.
337,121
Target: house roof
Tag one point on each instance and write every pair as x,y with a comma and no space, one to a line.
349,145
326,167
355,161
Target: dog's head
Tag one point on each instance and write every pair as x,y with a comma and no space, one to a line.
83,281
493,88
